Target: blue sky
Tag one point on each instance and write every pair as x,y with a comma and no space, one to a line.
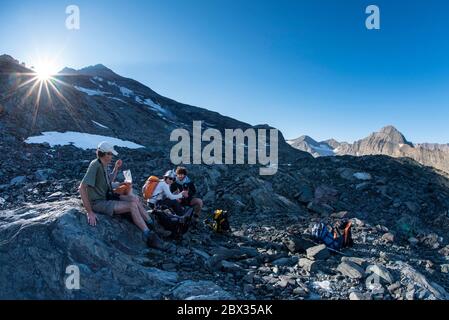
305,67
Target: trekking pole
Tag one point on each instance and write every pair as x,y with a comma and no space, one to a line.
333,250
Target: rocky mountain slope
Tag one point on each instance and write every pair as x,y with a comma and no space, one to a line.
96,100
399,209
316,149
388,141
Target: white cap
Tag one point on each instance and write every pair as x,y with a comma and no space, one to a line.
107,147
170,174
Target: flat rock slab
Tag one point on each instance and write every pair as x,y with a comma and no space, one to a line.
351,270
319,252
200,290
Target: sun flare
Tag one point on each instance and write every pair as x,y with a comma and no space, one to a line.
45,70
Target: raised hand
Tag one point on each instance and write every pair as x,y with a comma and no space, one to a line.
118,164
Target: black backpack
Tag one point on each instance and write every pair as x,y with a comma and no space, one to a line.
178,225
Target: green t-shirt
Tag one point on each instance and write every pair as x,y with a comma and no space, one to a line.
95,179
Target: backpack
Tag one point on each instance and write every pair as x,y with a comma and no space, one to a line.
149,186
335,238
178,225
221,221
343,229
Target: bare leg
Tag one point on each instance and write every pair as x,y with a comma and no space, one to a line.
126,206
197,205
135,199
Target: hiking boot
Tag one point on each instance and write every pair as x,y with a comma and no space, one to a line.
155,242
150,223
196,223
161,231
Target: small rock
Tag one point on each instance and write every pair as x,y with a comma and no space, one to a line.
305,194
444,268
182,251
393,287
43,174
381,272
298,244
360,261
200,290
388,237
320,208
346,173
300,292
319,252
18,180
362,186
410,294
248,288
413,241
357,222
282,283
340,214
55,195
227,266
308,265
249,278
213,262
250,262
359,296
201,253
431,241
323,285
285,261
362,176
325,195
444,251
351,270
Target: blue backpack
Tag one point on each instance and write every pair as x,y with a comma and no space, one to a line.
332,237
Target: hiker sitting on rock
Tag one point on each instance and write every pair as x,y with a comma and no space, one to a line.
97,195
162,196
183,183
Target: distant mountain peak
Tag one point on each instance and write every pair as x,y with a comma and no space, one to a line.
304,138
8,58
394,135
389,129
97,70
68,71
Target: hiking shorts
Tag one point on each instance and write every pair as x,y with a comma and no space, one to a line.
104,206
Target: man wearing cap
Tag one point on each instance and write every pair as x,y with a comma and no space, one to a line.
97,196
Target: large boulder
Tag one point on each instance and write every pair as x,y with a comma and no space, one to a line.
42,245
417,278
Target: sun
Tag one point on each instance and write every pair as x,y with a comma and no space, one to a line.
45,70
